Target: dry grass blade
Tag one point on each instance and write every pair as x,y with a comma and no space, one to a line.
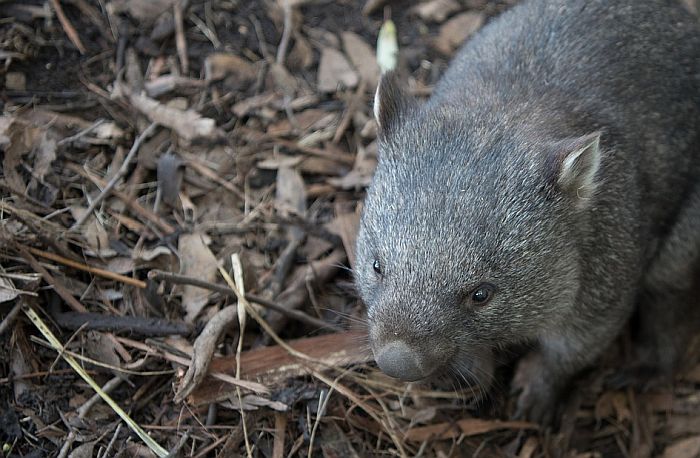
37,321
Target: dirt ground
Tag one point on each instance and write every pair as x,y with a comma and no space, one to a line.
174,172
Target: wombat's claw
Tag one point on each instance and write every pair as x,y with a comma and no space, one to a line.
535,407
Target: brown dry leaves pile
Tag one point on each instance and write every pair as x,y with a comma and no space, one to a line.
116,233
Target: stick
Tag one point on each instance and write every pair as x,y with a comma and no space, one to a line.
85,268
48,278
294,314
180,42
115,179
67,26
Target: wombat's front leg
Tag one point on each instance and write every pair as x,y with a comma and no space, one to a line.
544,373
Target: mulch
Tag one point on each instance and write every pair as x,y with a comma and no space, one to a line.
180,191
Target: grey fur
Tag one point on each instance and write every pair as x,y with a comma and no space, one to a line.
470,188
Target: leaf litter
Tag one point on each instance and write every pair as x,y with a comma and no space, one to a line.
180,193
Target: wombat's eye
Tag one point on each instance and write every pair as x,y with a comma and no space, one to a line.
482,294
377,267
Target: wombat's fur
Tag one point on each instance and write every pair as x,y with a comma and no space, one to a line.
557,162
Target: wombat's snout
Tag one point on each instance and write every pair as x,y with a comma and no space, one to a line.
396,359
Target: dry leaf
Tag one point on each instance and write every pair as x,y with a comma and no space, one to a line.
94,234
362,57
291,193
282,80
346,226
143,11
7,290
361,174
169,173
221,65
334,71
101,348
455,31
83,451
464,427
302,54
199,262
15,81
686,448
437,10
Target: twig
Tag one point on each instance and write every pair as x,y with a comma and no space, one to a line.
81,134
294,314
107,388
67,26
10,318
48,278
286,33
180,42
323,398
137,208
112,441
354,104
151,327
116,178
93,270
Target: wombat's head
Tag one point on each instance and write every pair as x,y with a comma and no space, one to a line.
468,235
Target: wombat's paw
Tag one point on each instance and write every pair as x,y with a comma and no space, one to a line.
536,403
537,394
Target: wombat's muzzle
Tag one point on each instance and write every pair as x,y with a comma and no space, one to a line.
398,360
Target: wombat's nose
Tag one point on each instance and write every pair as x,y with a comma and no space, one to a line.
397,360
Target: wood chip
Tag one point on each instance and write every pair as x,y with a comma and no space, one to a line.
455,31
335,72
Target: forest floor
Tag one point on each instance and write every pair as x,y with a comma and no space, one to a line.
176,171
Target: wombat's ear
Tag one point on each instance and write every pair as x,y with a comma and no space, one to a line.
575,163
391,103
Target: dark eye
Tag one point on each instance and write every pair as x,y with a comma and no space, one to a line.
482,294
377,267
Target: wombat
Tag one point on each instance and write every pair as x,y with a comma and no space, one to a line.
548,186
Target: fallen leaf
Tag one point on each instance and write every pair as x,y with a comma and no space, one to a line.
436,10
169,174
7,290
362,171
15,81
455,31
682,425
197,261
334,71
143,11
305,120
686,448
94,234
282,80
464,427
101,348
291,194
83,451
302,54
346,225
221,65
362,57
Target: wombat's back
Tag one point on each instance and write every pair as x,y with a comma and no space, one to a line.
630,68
